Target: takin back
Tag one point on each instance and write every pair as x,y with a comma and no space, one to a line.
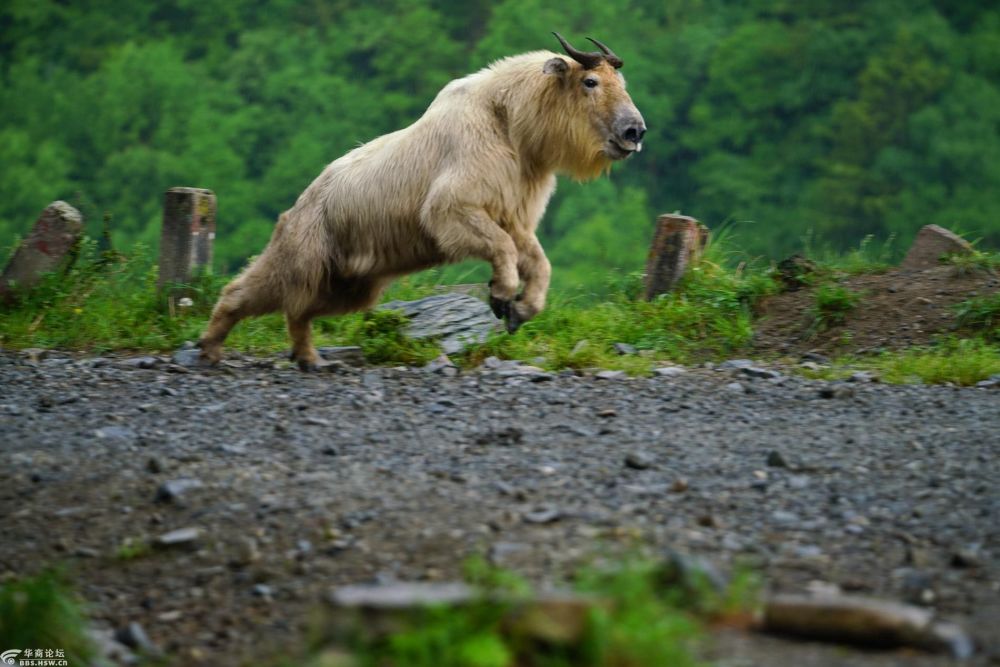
470,179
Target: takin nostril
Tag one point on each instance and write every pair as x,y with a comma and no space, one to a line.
634,134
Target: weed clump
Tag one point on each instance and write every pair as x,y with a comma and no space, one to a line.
41,612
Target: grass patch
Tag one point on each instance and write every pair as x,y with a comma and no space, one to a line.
132,549
958,361
832,303
41,612
981,314
644,613
973,262
962,362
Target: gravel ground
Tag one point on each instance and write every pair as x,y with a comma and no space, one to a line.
298,482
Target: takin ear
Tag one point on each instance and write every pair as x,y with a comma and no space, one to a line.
556,67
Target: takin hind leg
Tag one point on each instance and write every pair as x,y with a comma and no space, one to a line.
344,297
245,296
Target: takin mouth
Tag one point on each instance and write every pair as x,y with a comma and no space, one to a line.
616,151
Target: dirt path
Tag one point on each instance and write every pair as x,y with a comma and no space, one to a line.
302,482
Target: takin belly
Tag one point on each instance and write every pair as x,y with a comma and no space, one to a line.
386,249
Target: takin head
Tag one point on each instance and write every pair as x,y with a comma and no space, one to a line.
596,89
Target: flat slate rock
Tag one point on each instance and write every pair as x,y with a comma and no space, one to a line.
457,320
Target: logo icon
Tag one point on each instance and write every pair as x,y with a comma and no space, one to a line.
8,657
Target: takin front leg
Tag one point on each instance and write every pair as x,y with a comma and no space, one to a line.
534,268
472,233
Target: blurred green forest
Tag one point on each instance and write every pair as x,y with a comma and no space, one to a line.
816,122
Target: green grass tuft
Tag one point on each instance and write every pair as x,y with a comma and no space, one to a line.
41,612
831,306
981,314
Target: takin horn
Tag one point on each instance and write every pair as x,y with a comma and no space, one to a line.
589,59
609,55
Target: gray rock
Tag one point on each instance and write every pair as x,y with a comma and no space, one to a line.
638,460
351,355
862,376
456,320
263,591
442,366
188,357
758,372
114,433
400,595
543,515
836,391
611,375
669,371
736,388
776,460
784,518
140,362
172,491
625,349
135,637
735,365
181,537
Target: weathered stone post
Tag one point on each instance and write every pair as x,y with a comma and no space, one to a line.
931,244
677,242
49,247
187,235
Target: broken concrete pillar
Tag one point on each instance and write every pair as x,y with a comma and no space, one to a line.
933,243
187,235
677,243
49,247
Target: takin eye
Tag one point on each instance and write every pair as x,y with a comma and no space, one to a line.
590,82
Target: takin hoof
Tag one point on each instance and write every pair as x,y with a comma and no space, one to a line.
505,310
203,355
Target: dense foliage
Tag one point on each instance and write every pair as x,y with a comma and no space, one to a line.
824,121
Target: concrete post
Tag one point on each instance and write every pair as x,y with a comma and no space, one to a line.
677,242
187,234
48,247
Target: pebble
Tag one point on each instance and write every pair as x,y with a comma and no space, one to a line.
134,636
114,433
263,591
188,358
638,460
140,362
442,366
611,375
735,365
172,490
669,371
543,516
736,388
776,460
836,391
784,518
758,372
179,537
